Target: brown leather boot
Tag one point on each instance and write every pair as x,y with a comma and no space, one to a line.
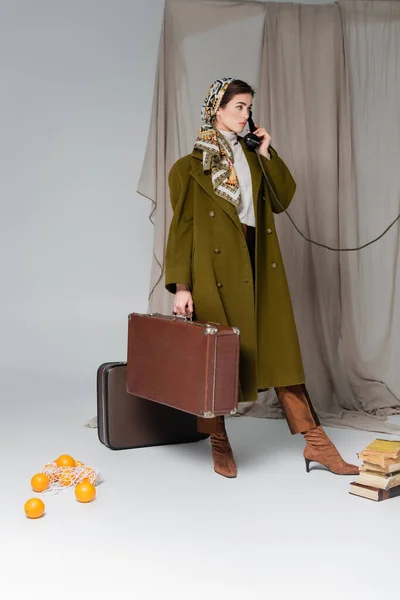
320,449
224,463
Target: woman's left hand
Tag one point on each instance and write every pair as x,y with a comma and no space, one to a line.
265,141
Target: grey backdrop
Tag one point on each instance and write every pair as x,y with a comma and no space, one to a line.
76,87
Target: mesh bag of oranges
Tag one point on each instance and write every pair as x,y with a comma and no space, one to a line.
63,473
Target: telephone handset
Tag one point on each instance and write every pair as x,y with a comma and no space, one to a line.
252,142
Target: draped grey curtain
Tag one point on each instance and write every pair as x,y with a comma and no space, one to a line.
328,89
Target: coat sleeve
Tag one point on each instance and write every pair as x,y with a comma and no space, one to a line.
281,180
178,255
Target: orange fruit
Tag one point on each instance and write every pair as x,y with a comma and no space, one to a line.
40,482
34,508
65,460
85,491
79,463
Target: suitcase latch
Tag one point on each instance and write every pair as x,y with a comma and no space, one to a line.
210,330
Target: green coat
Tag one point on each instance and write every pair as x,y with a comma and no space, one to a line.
207,250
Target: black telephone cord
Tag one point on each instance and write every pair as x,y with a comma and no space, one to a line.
269,184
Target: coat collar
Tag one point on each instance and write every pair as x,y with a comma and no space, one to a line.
205,181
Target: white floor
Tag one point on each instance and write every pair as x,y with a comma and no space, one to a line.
164,525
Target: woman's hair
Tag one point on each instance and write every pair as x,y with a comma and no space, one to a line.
236,87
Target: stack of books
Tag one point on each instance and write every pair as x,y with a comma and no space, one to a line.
379,477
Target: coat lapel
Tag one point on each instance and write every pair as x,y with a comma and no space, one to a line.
205,182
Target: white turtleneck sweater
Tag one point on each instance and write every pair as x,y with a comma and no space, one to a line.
246,206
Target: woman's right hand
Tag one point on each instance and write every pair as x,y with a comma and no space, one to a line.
183,303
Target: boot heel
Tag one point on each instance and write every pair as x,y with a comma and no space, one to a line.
307,464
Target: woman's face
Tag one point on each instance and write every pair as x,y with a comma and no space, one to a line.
234,115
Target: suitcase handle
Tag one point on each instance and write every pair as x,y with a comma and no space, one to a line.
207,325
173,317
187,319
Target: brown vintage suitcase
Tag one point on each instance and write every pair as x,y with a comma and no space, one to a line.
192,366
127,421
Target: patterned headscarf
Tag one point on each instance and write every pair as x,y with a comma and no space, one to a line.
217,153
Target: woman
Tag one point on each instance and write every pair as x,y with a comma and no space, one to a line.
223,261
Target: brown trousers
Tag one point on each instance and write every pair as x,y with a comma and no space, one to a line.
294,399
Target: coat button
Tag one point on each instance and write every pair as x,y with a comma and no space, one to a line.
211,214
274,265
217,250
269,231
219,285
